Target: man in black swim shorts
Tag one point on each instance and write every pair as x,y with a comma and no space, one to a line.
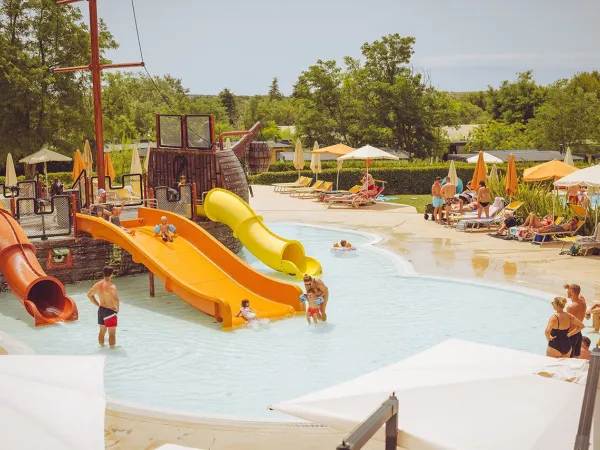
108,307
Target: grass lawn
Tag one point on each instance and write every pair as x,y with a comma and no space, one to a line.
418,201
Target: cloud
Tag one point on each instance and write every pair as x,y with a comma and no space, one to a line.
535,60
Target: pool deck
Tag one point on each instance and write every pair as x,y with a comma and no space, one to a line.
432,249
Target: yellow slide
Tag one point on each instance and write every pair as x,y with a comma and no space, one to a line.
197,267
278,253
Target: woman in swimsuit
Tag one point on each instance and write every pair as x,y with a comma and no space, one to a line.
483,199
570,226
533,221
561,327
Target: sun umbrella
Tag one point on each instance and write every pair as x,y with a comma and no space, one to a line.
88,159
228,143
487,158
456,383
480,172
590,176
298,157
136,165
52,402
147,158
511,176
44,156
10,175
78,164
367,153
494,173
452,173
315,160
337,150
109,170
569,157
550,170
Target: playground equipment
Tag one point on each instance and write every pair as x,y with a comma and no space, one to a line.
278,253
43,296
197,267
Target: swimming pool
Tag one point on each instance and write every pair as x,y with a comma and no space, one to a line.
172,357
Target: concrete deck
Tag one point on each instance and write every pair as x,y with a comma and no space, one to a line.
432,249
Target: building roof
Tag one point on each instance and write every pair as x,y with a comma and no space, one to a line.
520,155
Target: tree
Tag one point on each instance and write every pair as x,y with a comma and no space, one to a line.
228,100
274,92
38,107
570,117
499,136
515,102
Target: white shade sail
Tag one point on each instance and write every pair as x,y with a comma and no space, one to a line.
590,176
45,155
460,395
52,402
367,152
487,158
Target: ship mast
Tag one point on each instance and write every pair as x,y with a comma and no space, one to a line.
96,68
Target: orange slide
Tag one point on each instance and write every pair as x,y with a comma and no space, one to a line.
44,297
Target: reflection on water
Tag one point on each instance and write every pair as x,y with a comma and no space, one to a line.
171,356
480,264
510,270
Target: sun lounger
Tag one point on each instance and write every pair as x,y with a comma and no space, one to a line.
496,217
288,189
585,243
316,185
323,196
523,234
495,209
355,200
578,211
301,182
325,187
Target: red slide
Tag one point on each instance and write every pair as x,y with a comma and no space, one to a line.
44,297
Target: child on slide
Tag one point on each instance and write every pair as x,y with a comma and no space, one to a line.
249,315
164,229
312,311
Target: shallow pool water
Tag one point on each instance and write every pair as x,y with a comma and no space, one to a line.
172,357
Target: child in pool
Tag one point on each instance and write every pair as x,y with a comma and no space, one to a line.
343,243
163,229
249,315
312,311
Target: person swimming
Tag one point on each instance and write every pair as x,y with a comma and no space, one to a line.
313,309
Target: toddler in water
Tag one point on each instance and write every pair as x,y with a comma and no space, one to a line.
249,315
313,305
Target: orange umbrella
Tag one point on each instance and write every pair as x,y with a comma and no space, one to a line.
337,150
109,170
480,173
548,171
511,176
78,164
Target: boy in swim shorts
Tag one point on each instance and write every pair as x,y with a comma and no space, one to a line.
108,306
314,303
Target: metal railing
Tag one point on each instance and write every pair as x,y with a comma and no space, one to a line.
178,201
131,190
386,414
80,189
43,219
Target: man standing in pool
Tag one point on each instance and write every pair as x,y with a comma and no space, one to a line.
578,308
108,307
320,291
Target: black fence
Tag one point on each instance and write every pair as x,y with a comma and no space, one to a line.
177,201
130,191
80,190
42,218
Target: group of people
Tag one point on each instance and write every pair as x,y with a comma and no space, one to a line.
563,331
446,199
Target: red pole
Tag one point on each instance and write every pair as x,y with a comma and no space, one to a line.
97,89
151,283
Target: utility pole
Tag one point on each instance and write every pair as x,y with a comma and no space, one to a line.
96,68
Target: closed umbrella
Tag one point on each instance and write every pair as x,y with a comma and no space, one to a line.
87,156
494,173
511,176
315,160
136,165
569,157
298,157
480,173
52,402
78,164
227,144
10,175
147,158
109,170
452,173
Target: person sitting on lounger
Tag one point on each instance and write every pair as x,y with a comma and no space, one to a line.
570,226
369,187
509,222
534,222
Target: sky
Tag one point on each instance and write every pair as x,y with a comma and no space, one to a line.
462,45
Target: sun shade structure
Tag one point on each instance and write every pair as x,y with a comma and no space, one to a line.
315,160
487,158
367,152
511,182
551,170
461,395
568,157
452,173
337,150
10,174
52,402
109,170
87,155
44,156
480,173
136,164
590,176
78,165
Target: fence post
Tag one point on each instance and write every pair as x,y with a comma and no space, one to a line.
13,207
151,283
151,197
74,214
194,202
144,185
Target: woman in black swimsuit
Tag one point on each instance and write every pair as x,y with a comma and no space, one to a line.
559,344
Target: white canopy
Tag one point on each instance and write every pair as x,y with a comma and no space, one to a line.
460,395
487,158
52,402
44,155
367,152
590,176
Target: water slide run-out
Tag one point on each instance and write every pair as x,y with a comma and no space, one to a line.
44,297
197,267
278,253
